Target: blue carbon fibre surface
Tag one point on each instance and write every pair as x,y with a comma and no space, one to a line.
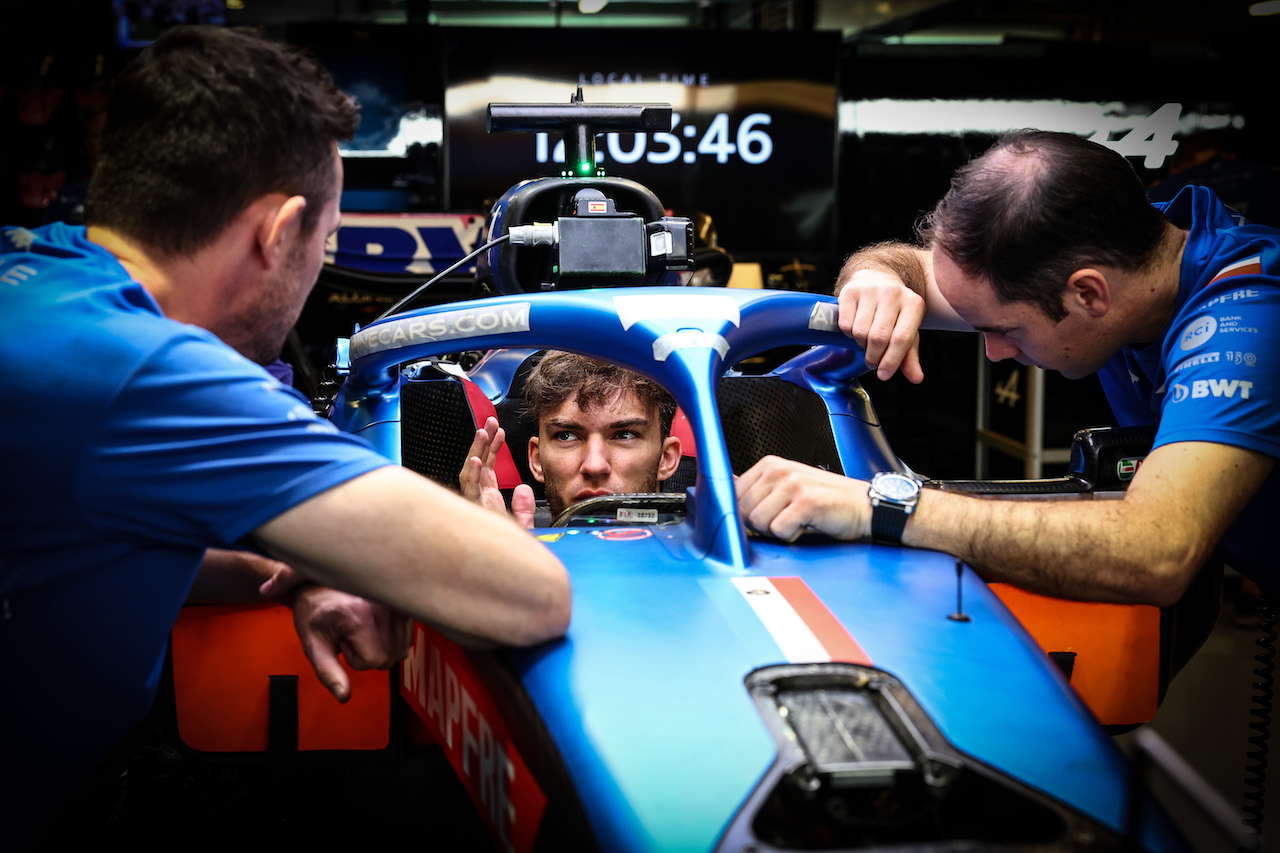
645,697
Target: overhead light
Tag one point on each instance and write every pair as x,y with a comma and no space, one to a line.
1270,7
590,7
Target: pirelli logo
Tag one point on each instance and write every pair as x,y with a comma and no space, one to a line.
444,326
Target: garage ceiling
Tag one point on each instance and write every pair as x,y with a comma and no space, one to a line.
1225,24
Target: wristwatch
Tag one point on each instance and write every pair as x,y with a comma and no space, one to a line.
893,497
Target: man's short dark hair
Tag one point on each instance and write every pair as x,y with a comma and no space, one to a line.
206,120
1036,207
589,382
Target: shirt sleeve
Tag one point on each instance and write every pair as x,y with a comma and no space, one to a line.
201,447
1223,375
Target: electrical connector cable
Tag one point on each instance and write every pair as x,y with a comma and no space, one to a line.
535,234
399,306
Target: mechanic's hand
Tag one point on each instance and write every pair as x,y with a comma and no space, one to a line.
368,635
284,581
883,315
784,499
479,482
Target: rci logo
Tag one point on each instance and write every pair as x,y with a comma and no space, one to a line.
1198,333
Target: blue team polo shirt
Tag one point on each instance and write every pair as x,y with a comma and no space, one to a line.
131,443
1215,376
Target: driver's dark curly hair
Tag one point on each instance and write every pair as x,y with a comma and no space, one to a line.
589,382
203,122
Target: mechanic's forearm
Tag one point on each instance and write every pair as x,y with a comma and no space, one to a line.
907,262
1079,549
395,537
231,577
911,267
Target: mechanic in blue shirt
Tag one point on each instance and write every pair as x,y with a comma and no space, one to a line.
601,430
1048,246
142,430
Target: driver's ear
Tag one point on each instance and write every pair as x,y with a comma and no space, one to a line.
535,460
670,459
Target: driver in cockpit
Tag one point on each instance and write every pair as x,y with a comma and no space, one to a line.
602,430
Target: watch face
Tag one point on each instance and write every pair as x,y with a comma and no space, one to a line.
897,487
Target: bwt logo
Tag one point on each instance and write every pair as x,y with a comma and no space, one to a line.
1198,333
404,242
1212,388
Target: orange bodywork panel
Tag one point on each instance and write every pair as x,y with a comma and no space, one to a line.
1116,669
223,660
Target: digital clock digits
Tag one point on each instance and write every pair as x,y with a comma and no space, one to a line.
749,141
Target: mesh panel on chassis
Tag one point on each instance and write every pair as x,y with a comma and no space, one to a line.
764,415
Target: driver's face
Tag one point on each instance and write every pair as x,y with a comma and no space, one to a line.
606,450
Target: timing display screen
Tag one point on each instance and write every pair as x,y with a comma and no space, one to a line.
749,140
753,129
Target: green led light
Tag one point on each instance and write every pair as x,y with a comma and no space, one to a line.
584,167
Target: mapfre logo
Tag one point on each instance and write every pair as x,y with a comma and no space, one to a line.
445,690
1198,333
1202,388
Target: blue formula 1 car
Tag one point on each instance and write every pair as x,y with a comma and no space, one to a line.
720,690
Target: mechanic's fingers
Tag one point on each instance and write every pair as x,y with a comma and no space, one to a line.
776,516
900,342
764,490
404,631
523,505
847,304
790,521
368,649
882,316
911,367
324,660
747,480
748,494
903,337
283,582
871,327
883,343
785,498
762,481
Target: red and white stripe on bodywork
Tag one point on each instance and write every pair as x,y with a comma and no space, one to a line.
802,626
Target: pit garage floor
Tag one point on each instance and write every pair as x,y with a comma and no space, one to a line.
1205,717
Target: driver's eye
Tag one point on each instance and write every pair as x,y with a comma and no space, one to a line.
564,435
627,435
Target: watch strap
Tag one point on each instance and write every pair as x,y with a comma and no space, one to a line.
889,514
888,520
